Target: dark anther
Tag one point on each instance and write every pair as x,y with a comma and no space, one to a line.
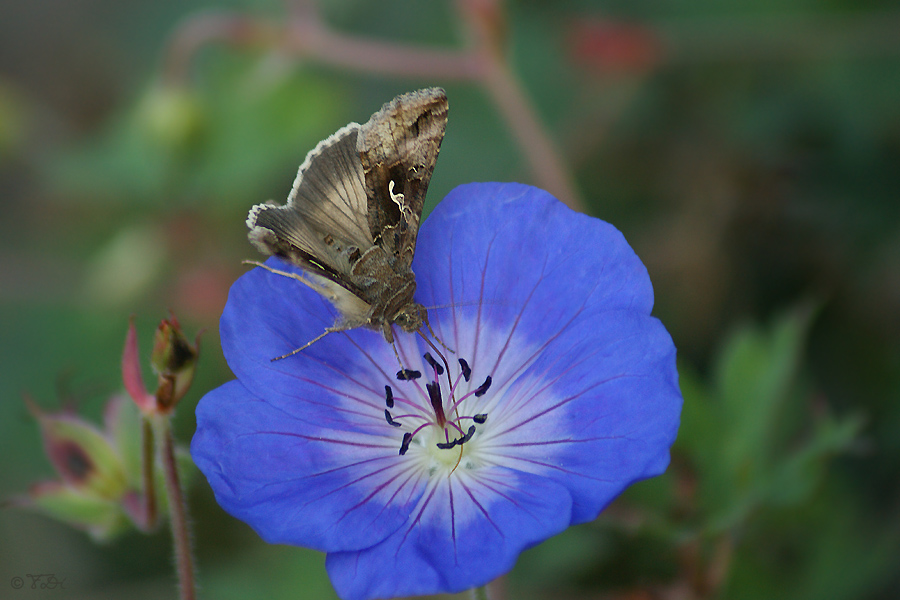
458,441
483,388
466,437
480,418
434,364
404,445
390,419
389,396
407,374
466,370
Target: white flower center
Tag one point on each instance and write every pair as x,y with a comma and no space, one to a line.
435,419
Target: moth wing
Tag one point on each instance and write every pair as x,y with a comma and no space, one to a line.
400,144
354,311
323,226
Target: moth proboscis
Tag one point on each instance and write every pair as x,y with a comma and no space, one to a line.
352,218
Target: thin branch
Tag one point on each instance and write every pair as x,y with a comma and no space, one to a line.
306,36
206,27
310,39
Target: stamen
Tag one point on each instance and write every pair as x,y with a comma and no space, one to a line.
466,370
390,419
404,445
447,419
408,374
434,364
434,395
484,387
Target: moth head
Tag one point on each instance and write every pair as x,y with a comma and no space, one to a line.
411,317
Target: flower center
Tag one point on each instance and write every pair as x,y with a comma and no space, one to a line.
434,416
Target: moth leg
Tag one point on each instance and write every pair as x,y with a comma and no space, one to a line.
397,354
299,278
439,340
308,344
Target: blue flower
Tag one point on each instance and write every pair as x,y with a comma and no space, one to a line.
560,392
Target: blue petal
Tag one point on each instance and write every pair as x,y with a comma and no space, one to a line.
523,260
294,481
555,306
596,408
269,315
465,534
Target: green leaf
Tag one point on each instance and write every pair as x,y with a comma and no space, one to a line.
100,517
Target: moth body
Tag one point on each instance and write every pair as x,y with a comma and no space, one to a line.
352,217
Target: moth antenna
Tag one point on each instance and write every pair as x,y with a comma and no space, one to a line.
456,304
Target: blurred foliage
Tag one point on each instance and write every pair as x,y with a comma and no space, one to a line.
748,151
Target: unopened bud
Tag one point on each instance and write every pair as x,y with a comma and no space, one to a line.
174,360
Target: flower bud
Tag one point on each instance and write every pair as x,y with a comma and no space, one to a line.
174,360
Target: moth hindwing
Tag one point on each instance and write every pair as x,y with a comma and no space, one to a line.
352,217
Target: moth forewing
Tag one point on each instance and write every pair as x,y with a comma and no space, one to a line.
398,150
352,217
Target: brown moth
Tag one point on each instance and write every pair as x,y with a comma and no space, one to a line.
352,217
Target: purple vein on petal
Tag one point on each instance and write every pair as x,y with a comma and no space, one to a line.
561,403
332,490
452,522
375,492
312,438
560,469
415,521
517,320
452,292
483,510
486,482
487,259
543,346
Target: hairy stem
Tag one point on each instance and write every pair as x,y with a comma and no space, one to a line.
147,474
181,536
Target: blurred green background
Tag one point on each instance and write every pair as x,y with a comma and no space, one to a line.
749,150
